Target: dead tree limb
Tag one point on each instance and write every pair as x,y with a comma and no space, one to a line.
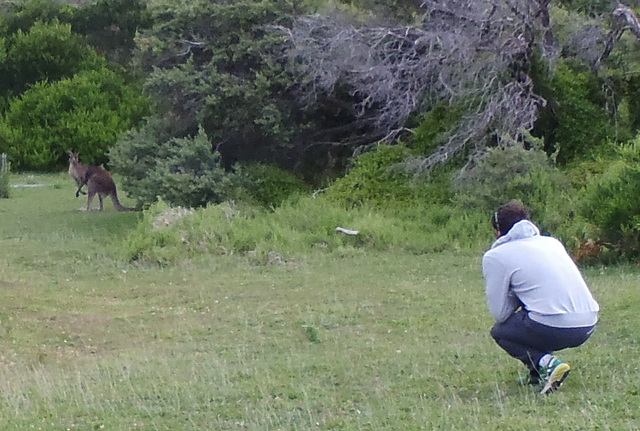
624,18
474,54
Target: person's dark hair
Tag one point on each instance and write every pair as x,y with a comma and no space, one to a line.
508,215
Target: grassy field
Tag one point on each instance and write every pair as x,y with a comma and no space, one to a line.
366,341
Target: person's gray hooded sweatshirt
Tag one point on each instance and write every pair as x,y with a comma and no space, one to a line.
523,268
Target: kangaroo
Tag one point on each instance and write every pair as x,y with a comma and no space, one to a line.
77,171
98,181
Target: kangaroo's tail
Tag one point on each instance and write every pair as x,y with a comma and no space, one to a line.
117,204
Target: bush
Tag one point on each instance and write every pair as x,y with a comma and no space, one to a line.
85,113
47,52
611,201
574,122
373,179
22,15
234,85
515,173
440,119
302,227
267,185
111,25
181,171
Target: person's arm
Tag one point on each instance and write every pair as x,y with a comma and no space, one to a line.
500,299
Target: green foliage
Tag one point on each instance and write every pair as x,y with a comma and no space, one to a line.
589,7
611,201
623,77
152,238
267,185
441,118
110,26
514,173
85,113
5,172
404,11
46,52
22,15
299,227
374,179
229,80
181,171
575,121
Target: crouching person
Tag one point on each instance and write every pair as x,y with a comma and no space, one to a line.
537,296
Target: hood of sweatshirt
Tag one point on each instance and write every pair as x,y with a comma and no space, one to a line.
522,229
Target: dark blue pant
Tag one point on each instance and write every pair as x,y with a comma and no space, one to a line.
529,341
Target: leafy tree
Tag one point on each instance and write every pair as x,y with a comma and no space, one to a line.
46,52
589,7
575,120
180,171
22,15
85,113
110,26
213,64
611,201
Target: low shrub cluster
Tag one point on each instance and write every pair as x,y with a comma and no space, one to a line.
503,174
611,202
391,210
299,227
266,185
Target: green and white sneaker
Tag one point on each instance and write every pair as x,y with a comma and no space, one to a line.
553,375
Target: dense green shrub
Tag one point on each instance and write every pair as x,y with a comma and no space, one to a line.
374,179
515,173
110,26
232,83
46,52
611,201
181,171
575,120
379,179
267,185
22,15
85,113
433,123
589,7
299,228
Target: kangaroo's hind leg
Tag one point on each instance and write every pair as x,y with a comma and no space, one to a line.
90,196
100,198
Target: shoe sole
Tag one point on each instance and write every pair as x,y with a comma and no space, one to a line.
556,378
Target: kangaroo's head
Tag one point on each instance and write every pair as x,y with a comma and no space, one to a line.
73,158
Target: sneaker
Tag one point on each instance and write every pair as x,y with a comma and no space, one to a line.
553,375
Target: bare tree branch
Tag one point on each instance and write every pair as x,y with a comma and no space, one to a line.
624,18
473,53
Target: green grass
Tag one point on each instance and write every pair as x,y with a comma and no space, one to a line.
374,340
